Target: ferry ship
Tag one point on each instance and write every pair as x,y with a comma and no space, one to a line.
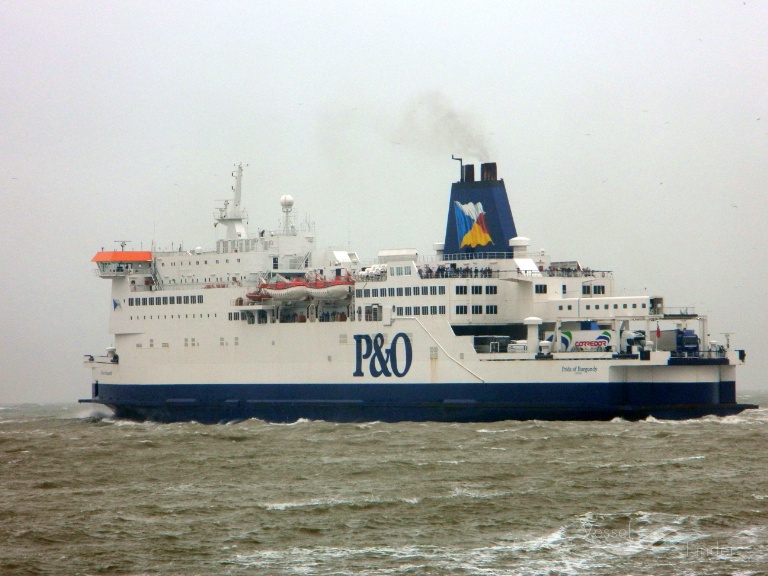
270,326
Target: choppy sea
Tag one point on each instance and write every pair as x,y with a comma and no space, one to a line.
82,493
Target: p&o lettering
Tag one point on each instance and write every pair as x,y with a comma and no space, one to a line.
382,361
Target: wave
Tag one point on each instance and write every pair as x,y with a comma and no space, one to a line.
589,543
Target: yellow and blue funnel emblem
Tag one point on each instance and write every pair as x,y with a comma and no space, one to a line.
471,227
479,219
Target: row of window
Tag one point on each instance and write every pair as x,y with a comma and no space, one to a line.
420,310
197,262
422,290
400,271
605,306
164,300
477,309
491,289
406,291
586,289
171,316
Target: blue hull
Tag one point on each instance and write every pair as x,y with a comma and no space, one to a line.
213,403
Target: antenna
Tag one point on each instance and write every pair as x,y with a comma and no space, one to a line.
727,339
461,167
122,243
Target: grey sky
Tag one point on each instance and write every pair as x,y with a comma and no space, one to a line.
632,136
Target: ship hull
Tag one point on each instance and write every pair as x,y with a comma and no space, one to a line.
214,403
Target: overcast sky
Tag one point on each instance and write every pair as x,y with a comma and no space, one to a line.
632,136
